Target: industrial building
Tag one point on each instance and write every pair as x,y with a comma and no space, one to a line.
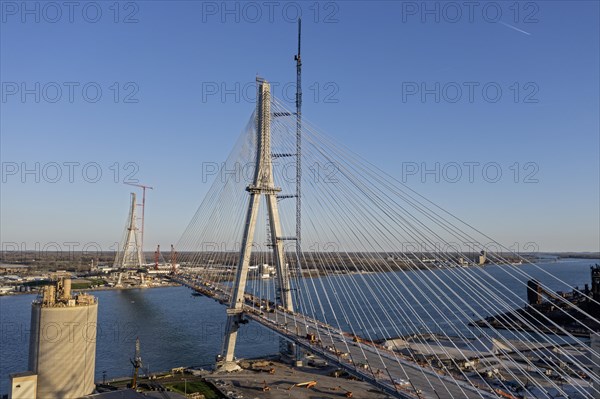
596,282
62,347
574,311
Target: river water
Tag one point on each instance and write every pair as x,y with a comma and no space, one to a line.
177,329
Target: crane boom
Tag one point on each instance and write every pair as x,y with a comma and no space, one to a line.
137,363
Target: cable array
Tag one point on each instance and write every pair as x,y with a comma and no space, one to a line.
379,261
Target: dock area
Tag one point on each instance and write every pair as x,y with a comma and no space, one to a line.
276,379
261,378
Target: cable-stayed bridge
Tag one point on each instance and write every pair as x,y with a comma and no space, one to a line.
383,368
382,282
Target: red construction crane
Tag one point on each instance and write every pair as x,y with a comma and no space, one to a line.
143,187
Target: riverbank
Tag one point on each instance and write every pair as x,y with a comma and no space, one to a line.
103,288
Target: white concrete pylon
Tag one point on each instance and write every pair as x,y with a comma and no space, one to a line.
262,185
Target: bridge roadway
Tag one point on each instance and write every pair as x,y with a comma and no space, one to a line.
384,369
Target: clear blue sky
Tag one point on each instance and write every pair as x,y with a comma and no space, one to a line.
364,55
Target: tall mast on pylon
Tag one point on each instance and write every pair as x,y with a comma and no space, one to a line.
298,153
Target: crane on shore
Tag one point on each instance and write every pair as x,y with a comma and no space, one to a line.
137,363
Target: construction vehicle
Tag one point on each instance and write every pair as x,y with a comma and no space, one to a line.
504,394
315,362
265,387
347,393
398,382
307,385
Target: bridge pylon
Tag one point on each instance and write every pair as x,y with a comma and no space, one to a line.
262,185
130,255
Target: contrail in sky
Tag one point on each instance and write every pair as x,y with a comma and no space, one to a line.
515,28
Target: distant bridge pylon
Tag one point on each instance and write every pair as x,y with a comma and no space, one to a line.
130,255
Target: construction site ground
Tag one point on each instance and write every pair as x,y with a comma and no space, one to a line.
282,383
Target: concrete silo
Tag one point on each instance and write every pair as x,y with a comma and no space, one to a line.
62,348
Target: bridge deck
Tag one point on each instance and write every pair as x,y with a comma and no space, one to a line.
384,366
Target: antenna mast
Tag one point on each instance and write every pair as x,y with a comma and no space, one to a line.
298,153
